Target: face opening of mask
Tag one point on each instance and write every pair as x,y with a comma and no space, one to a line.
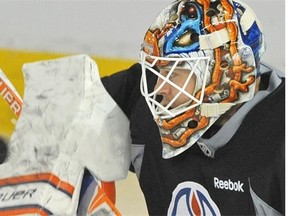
178,84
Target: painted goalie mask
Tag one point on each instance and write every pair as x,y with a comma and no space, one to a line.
205,56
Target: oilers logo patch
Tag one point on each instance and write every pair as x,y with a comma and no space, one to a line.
191,198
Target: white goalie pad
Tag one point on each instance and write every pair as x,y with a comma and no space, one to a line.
68,123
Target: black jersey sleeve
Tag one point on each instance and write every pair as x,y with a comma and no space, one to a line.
123,86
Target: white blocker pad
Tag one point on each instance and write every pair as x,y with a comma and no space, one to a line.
68,123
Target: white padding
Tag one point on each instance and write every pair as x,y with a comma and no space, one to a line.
68,123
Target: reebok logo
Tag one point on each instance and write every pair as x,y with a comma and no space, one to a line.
228,185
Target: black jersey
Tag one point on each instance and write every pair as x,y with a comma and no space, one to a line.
242,175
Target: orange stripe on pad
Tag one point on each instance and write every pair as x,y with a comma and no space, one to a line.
25,210
40,177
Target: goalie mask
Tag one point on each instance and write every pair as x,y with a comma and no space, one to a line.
205,57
